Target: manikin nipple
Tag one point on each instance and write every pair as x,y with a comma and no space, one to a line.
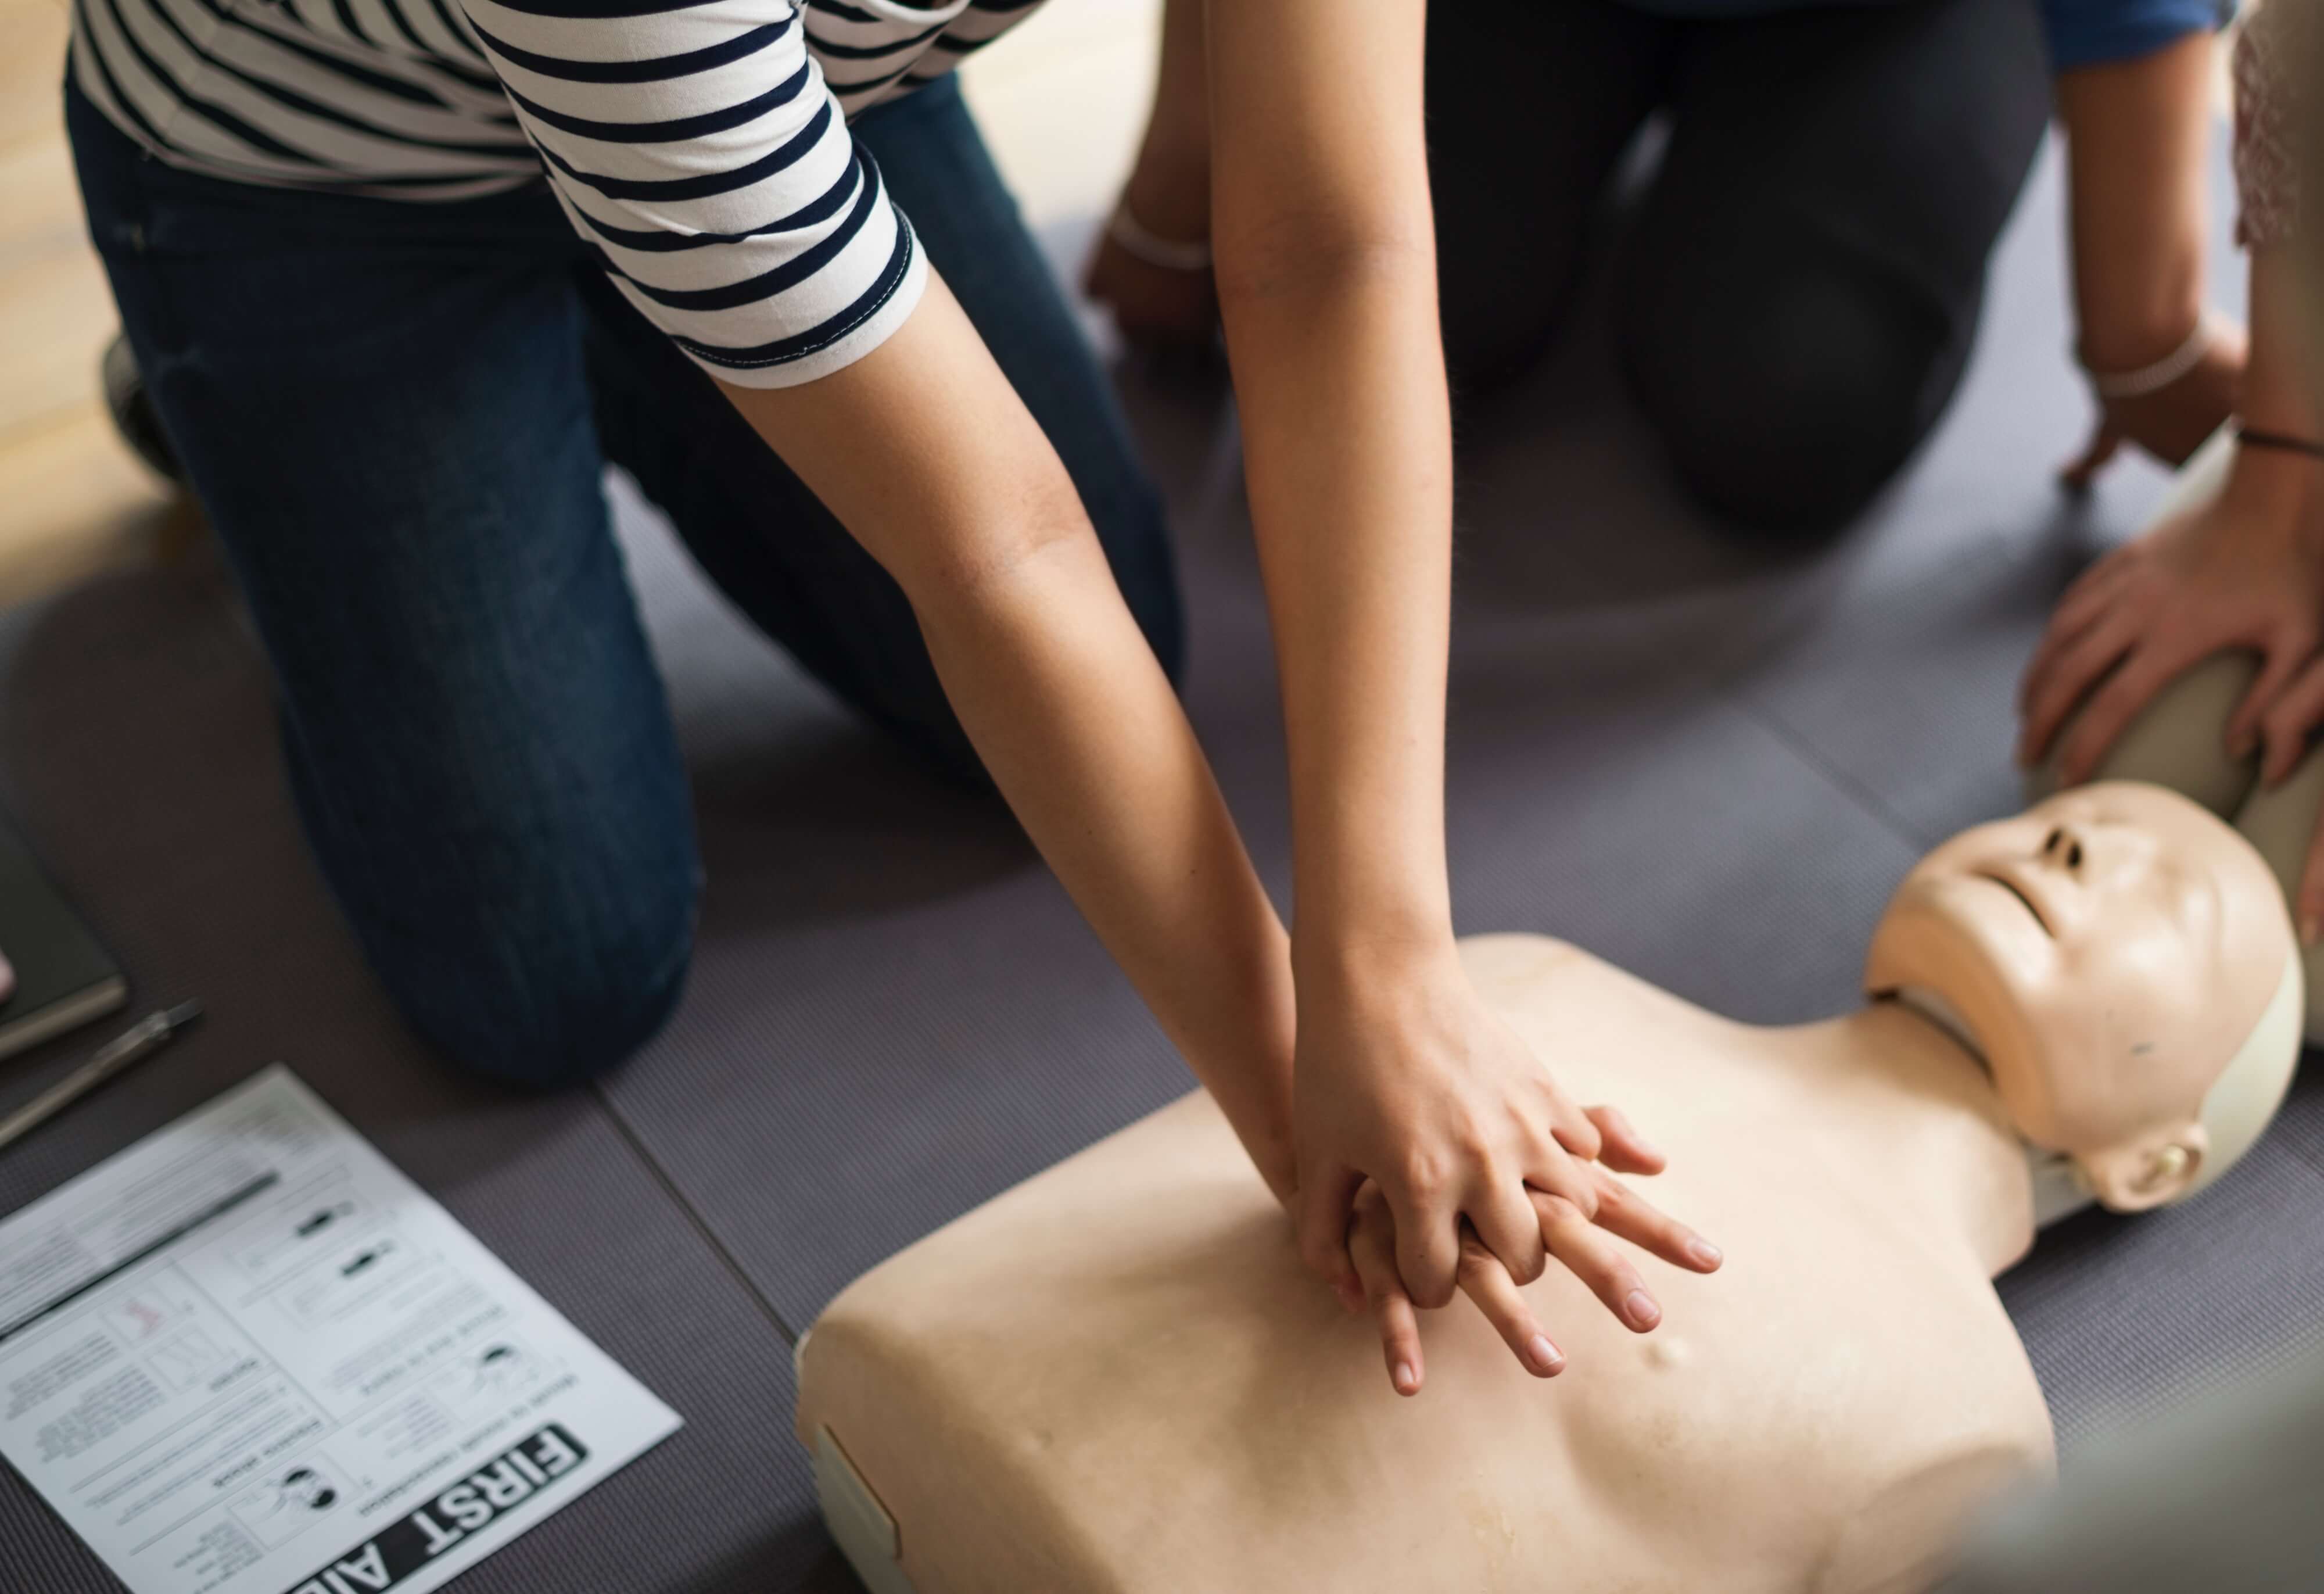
1665,1352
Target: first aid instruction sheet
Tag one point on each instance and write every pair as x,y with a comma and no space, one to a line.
248,1355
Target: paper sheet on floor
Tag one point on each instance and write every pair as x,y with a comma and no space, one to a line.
249,1355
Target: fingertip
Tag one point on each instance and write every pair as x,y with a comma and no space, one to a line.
1405,1376
2280,760
2033,741
2242,732
1622,1137
1705,1256
1641,1310
1545,1359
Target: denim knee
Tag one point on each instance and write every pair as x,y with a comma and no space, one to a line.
560,1008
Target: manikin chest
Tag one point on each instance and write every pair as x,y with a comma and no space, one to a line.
1116,1377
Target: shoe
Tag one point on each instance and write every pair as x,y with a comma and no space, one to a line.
133,412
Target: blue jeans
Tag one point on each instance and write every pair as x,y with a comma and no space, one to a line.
397,418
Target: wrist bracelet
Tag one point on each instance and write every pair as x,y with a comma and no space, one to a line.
2282,441
1169,253
2161,374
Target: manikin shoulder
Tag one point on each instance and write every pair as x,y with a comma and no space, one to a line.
1901,1536
1602,1029
1520,973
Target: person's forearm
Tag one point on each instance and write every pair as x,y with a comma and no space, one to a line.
2271,490
1347,447
1079,726
922,452
1326,269
2276,391
2137,132
1169,188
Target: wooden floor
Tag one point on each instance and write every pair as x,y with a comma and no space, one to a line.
74,500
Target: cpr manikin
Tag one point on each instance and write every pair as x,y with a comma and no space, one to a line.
2179,741
1117,1376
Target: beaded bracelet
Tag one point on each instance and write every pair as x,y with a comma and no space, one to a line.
2161,374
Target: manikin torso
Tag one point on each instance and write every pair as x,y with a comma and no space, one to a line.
1116,1378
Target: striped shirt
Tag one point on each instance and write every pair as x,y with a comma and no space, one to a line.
699,147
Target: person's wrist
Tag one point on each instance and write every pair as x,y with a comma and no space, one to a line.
2274,493
2130,354
1386,955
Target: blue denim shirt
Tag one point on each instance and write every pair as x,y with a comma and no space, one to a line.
2085,32
2082,33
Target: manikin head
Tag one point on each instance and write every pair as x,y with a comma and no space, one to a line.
2124,963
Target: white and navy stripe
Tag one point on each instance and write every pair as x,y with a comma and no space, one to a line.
700,146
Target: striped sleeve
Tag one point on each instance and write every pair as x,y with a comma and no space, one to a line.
695,144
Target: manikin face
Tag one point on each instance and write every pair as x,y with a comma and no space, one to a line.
2109,951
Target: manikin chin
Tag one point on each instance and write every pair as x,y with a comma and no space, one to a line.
1117,1377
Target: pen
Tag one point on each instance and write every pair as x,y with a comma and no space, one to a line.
139,1041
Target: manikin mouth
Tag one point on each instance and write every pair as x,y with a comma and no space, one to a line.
2014,889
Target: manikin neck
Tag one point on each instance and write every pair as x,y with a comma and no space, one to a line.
2059,1191
1922,1126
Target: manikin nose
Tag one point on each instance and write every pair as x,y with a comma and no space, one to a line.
2063,847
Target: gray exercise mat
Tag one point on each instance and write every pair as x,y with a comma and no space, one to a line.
137,744
2124,1316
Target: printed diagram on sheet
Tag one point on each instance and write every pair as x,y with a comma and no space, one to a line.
248,1355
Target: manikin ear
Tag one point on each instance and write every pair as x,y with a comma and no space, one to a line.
2151,1171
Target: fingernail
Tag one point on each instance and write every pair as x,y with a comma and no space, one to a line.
1704,1253
1406,1380
1641,1310
2309,929
1543,1355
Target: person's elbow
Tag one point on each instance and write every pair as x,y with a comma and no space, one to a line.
1296,256
1023,524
